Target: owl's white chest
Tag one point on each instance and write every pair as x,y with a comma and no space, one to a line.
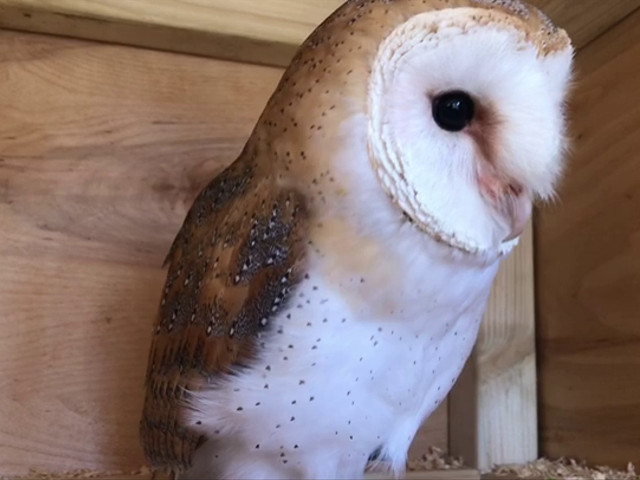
366,348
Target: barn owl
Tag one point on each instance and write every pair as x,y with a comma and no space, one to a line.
326,288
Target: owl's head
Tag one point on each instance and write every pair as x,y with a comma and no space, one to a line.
457,105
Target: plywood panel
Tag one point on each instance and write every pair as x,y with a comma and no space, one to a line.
246,30
588,266
262,31
493,408
102,150
585,20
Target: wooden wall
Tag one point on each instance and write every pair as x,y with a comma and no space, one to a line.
259,31
102,150
588,266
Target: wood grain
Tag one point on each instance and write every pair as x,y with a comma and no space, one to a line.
585,20
588,266
265,32
102,150
493,418
433,433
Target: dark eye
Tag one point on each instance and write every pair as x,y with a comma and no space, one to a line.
453,111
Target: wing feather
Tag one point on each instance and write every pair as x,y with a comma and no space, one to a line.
231,267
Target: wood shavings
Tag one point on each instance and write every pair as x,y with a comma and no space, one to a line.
563,469
35,474
434,459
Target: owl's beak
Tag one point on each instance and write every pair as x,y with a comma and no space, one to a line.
510,200
515,204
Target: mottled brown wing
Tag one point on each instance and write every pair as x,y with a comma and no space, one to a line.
230,268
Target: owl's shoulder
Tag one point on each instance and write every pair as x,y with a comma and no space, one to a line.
232,265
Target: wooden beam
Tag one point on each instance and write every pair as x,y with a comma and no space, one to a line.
492,409
256,31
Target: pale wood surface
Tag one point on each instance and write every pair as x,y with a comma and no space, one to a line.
588,266
259,31
492,409
246,30
102,150
585,20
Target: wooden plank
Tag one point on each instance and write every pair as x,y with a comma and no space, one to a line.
492,417
258,31
585,20
102,149
266,32
588,267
